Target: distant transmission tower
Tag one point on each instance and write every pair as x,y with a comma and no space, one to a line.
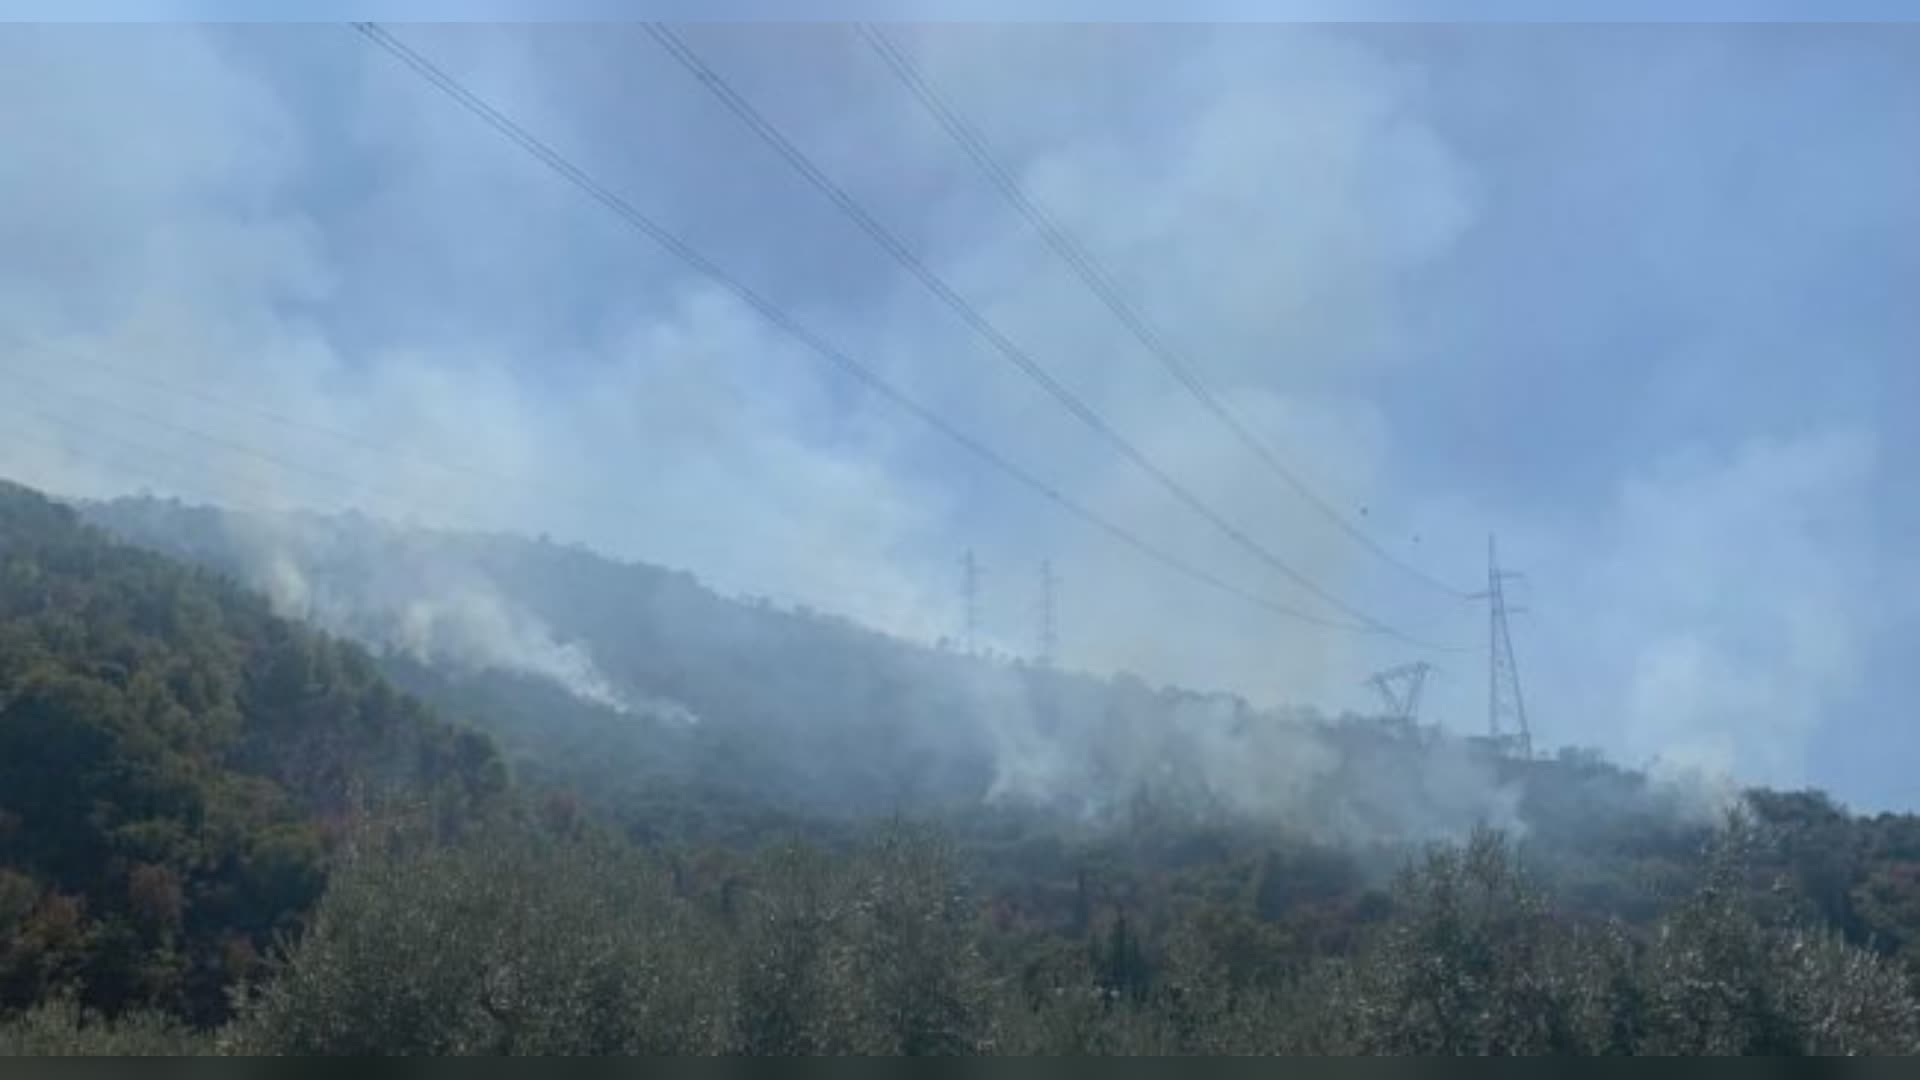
1049,640
1400,688
1504,702
970,598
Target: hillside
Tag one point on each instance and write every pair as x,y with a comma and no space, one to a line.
174,763
682,716
634,686
178,765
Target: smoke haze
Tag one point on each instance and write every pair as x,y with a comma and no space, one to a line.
1667,378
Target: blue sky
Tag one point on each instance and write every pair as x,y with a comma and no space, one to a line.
1636,298
1021,10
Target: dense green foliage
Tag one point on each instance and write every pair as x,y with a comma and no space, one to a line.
172,757
527,942
558,939
61,1027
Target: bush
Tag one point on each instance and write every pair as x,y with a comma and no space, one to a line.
524,944
61,1028
506,944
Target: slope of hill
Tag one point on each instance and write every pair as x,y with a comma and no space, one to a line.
632,686
1121,845
173,757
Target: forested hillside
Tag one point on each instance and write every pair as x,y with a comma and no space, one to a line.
634,686
739,829
679,715
175,762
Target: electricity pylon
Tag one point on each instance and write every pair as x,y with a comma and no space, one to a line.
1506,708
1400,688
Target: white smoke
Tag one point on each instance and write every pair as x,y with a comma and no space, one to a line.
430,609
477,628
1693,793
879,711
1088,750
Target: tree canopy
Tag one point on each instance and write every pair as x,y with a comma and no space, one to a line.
174,762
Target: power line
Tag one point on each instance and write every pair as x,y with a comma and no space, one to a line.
1049,636
402,505
403,502
230,445
147,451
866,376
411,500
71,354
1102,284
269,415
140,466
892,245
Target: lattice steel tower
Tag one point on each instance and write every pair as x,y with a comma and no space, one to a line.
1049,638
970,599
1506,708
1400,688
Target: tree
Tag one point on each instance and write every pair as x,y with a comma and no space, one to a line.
507,943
